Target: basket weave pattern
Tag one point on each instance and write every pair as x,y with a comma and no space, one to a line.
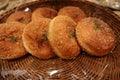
83,67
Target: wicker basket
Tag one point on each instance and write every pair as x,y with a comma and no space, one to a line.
83,67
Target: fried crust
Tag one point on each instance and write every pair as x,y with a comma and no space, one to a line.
11,45
44,12
20,16
62,38
95,36
35,39
74,12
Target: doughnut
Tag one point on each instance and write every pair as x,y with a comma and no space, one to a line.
95,36
35,39
61,36
20,16
11,45
44,12
74,12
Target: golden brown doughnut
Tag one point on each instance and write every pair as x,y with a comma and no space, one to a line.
74,12
44,12
35,38
95,36
61,36
20,16
11,45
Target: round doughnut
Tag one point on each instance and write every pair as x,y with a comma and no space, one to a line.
61,36
20,16
11,45
44,12
95,36
74,12
35,39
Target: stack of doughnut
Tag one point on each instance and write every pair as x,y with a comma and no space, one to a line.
45,33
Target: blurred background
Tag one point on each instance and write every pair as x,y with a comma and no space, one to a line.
9,4
110,3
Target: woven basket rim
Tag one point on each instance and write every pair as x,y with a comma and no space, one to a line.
83,61
35,2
